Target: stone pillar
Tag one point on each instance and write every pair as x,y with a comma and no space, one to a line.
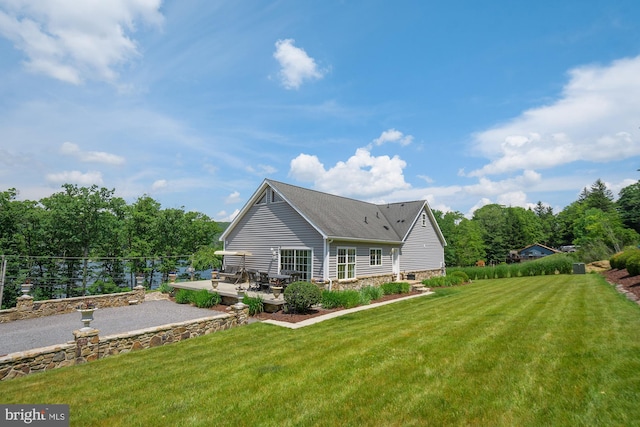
241,313
139,292
24,303
87,345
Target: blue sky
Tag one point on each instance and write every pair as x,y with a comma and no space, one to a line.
462,103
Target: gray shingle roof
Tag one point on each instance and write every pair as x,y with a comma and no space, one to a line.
341,217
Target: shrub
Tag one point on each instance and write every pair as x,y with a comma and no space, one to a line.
300,296
391,288
256,305
461,274
442,281
633,263
165,288
371,293
205,299
184,296
345,299
330,299
619,260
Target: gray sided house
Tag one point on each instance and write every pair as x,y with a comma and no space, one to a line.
336,240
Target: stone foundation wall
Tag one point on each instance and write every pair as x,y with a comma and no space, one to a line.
27,308
87,345
360,282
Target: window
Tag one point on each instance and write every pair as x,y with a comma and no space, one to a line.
274,197
298,260
263,199
346,263
375,256
424,219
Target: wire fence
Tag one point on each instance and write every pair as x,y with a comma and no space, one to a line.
63,277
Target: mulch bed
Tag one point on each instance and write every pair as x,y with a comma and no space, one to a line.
630,284
295,318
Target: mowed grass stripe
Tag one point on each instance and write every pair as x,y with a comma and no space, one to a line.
555,350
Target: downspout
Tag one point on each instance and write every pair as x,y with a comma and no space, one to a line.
327,258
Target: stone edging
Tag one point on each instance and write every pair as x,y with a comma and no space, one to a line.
339,313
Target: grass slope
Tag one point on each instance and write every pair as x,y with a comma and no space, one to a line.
550,350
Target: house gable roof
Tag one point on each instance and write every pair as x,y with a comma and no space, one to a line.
343,218
555,251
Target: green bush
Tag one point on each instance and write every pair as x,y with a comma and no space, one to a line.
391,288
256,305
371,293
619,260
165,288
633,264
300,296
461,274
330,299
184,296
341,299
205,299
444,281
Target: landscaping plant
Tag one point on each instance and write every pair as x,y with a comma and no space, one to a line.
300,296
205,299
256,304
391,288
184,296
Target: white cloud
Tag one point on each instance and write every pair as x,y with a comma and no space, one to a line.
222,216
261,170
595,119
487,187
306,168
74,40
71,149
513,198
361,176
232,198
296,65
159,184
393,135
76,177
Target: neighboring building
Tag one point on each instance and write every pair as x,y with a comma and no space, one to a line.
334,239
531,252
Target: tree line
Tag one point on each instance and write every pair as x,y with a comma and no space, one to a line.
596,224
86,240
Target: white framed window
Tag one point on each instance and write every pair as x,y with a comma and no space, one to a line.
375,256
346,263
424,219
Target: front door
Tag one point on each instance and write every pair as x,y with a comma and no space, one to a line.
297,260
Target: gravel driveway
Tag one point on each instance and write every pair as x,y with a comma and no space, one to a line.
28,334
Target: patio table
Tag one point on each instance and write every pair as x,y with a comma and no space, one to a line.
279,279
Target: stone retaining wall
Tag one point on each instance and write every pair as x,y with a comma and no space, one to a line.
87,345
27,308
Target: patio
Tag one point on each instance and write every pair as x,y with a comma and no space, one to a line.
229,292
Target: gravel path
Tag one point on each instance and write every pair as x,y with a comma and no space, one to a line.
28,334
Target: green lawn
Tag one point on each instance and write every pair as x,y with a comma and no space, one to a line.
549,350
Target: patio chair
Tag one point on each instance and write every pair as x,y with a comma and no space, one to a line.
254,276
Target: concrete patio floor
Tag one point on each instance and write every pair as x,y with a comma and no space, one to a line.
229,292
